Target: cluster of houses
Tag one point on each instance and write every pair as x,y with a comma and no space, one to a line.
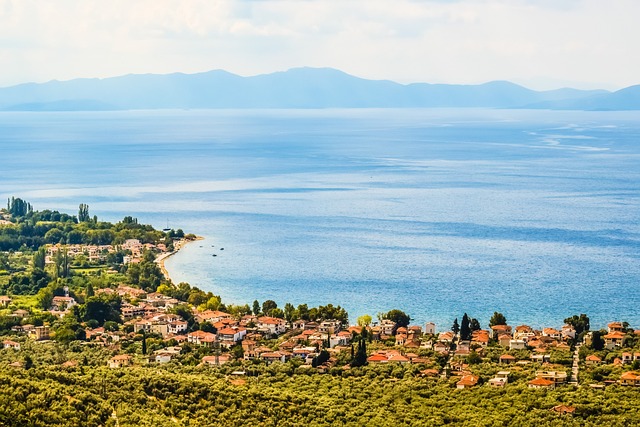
98,253
150,313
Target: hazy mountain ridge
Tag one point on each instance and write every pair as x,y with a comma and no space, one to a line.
295,88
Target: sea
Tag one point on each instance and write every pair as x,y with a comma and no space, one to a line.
437,212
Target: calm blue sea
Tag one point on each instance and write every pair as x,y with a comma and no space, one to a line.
437,212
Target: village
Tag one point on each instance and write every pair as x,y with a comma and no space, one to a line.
493,357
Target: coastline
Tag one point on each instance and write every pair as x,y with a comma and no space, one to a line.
160,260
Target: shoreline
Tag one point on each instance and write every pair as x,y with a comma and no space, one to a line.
160,260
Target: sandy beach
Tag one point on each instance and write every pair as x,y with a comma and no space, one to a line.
160,260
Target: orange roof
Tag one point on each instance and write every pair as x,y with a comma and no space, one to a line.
614,335
377,358
593,358
543,382
468,380
508,357
398,358
615,325
630,376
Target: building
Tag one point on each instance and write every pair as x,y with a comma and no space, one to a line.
430,328
613,339
120,361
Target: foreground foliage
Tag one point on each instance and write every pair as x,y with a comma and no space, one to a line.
201,396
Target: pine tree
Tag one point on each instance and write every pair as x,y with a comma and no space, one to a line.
90,291
455,327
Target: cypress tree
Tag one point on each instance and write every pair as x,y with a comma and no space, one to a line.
465,330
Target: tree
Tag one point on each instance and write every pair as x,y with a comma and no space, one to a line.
497,319
303,312
465,330
474,358
399,317
83,213
364,320
256,307
579,323
90,291
267,306
597,343
144,342
455,327
289,312
39,259
360,357
474,324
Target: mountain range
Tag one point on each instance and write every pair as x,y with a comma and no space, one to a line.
296,88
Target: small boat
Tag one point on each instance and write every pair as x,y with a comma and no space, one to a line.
166,230
214,255
222,249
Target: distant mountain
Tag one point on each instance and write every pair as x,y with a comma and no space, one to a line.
295,88
624,99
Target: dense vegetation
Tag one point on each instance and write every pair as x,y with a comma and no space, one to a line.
372,395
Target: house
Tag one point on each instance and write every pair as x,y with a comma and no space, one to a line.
480,338
507,359
555,376
504,340
216,360
500,380
627,358
563,409
342,338
542,383
552,333
592,359
5,301
398,358
467,381
128,291
613,339
63,303
38,333
630,379
500,329
517,345
163,357
277,356
271,325
228,337
330,327
540,358
430,328
120,361
615,327
524,332
202,338
429,373
568,332
441,347
20,313
377,358
211,316
11,344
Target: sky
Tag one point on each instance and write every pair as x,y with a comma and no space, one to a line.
544,44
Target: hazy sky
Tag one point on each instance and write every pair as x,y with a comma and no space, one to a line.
541,44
